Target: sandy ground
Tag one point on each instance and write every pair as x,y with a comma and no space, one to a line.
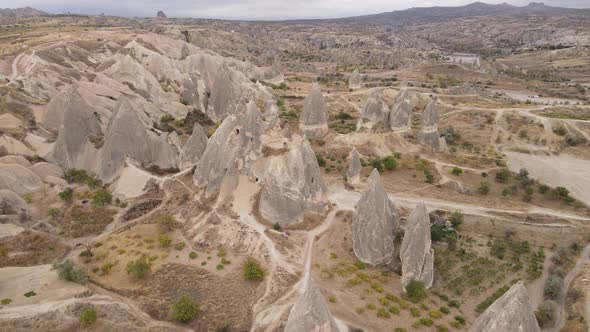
16,281
9,230
566,171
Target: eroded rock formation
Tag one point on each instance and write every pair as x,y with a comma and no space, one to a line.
194,148
429,135
311,313
375,224
376,109
401,112
313,123
355,80
353,173
511,312
416,253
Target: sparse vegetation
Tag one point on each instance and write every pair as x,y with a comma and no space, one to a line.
88,316
416,291
67,271
102,197
253,270
185,309
139,268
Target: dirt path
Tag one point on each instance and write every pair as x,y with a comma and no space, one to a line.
583,259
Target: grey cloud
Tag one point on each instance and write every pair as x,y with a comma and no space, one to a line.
250,9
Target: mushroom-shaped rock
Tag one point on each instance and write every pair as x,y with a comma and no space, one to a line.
128,135
353,173
45,170
355,80
19,179
311,313
11,159
194,148
416,253
374,224
511,312
313,123
401,112
293,186
376,110
10,202
234,144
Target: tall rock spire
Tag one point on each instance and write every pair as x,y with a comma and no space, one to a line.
416,253
354,168
313,123
375,224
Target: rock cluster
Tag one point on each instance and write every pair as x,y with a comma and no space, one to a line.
416,253
375,224
194,148
401,112
429,135
311,313
511,312
355,80
313,123
353,173
293,186
376,109
233,145
161,14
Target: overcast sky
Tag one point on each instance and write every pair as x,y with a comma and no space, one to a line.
251,9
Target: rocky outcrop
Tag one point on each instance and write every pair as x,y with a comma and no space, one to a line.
287,133
194,148
376,109
355,80
233,145
375,224
313,123
401,112
129,134
228,95
416,253
194,92
74,147
429,135
9,121
511,312
271,115
353,173
10,145
19,179
293,186
47,171
311,313
161,14
11,203
11,159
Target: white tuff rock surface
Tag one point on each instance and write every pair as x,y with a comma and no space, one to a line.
353,173
374,224
416,253
311,313
313,123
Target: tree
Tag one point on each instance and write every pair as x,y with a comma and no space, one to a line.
389,163
553,287
102,197
545,313
253,270
502,175
88,316
185,309
456,219
139,268
416,291
457,171
67,271
378,165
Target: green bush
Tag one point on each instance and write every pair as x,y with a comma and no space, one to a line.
93,182
164,240
457,171
456,219
389,163
185,309
546,313
383,313
445,310
321,160
435,314
102,197
139,268
415,312
253,270
6,301
53,213
416,291
166,223
67,271
192,255
553,287
484,188
180,246
441,328
88,316
481,307
378,165
502,175
73,175
67,195
543,189
394,310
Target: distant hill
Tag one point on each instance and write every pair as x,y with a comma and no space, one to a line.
438,14
21,12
